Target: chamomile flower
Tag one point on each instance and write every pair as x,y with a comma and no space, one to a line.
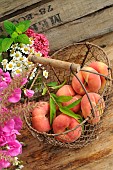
18,64
38,54
31,42
17,55
4,67
10,65
12,53
22,59
14,46
45,74
16,71
4,62
32,50
25,49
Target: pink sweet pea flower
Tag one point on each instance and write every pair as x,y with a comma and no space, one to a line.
16,96
15,148
28,93
18,123
4,164
24,81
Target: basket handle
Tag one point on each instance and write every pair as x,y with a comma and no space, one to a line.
53,62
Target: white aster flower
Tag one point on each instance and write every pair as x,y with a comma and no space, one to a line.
22,59
25,49
17,55
14,46
31,42
4,67
32,50
16,71
38,54
45,74
18,64
10,65
4,62
12,53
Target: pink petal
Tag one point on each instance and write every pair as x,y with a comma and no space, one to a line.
28,93
16,96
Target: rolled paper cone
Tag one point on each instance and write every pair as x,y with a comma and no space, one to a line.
55,63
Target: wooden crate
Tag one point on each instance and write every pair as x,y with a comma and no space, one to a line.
62,21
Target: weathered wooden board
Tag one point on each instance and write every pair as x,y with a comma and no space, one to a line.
10,6
96,156
62,21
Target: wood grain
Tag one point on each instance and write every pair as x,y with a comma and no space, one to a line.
64,22
97,155
10,6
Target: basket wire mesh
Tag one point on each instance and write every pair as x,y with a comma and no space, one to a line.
83,54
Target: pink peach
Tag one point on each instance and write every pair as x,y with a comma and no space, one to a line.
98,107
101,68
62,123
40,117
92,82
66,90
75,108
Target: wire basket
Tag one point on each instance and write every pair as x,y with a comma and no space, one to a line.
83,54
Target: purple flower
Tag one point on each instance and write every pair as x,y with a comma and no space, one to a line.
7,77
3,85
28,93
16,96
15,148
4,164
24,81
18,123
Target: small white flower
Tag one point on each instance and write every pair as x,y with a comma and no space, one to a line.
14,46
22,59
32,50
21,166
15,162
31,42
38,54
12,53
16,71
10,65
4,67
4,62
25,49
17,55
45,74
18,64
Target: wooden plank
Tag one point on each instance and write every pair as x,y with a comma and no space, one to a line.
10,6
79,23
97,155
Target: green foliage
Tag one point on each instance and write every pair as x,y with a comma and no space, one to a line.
9,27
52,109
15,34
23,38
58,100
6,43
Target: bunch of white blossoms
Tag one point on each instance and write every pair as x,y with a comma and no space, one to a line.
18,59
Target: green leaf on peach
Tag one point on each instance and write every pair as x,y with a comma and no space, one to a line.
52,84
63,98
59,86
70,113
52,110
74,103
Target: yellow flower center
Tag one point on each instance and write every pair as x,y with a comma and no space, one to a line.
10,65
